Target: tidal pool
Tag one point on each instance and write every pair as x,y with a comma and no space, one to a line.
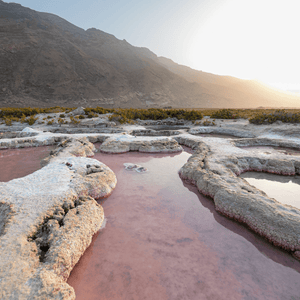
285,189
163,240
16,163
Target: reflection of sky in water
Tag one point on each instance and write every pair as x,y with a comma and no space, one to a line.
163,240
285,189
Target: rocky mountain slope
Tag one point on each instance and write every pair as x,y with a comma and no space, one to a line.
47,61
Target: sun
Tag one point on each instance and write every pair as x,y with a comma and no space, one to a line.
250,40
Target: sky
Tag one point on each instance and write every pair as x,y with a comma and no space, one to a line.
248,39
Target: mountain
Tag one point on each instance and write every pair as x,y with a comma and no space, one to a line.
47,61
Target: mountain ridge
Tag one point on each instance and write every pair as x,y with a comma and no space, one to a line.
46,60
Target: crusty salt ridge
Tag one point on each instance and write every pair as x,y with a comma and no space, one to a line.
125,143
214,167
48,219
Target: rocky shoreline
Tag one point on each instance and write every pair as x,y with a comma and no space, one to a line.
48,218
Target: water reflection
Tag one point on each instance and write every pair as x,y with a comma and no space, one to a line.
285,189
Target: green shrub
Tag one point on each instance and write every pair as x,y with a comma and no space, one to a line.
31,120
62,116
28,111
61,121
156,114
81,117
74,121
278,115
7,121
99,110
23,118
206,123
118,118
225,114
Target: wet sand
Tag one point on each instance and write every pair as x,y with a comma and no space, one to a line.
163,240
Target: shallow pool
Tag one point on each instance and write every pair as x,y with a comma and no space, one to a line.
16,163
163,240
285,189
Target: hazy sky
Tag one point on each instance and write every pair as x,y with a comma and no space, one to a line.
250,39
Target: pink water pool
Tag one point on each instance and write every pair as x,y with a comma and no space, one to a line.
16,163
163,240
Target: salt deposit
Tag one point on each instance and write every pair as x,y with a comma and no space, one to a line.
49,217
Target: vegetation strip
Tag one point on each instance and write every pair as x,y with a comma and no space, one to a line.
255,116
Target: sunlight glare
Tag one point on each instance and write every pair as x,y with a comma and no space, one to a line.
251,40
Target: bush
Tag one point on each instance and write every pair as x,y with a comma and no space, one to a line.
99,110
31,120
74,121
81,117
28,111
118,118
61,121
278,115
225,114
206,123
7,122
156,114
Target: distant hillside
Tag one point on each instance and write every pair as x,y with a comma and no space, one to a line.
47,61
236,92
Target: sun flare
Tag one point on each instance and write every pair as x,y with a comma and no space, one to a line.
250,40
